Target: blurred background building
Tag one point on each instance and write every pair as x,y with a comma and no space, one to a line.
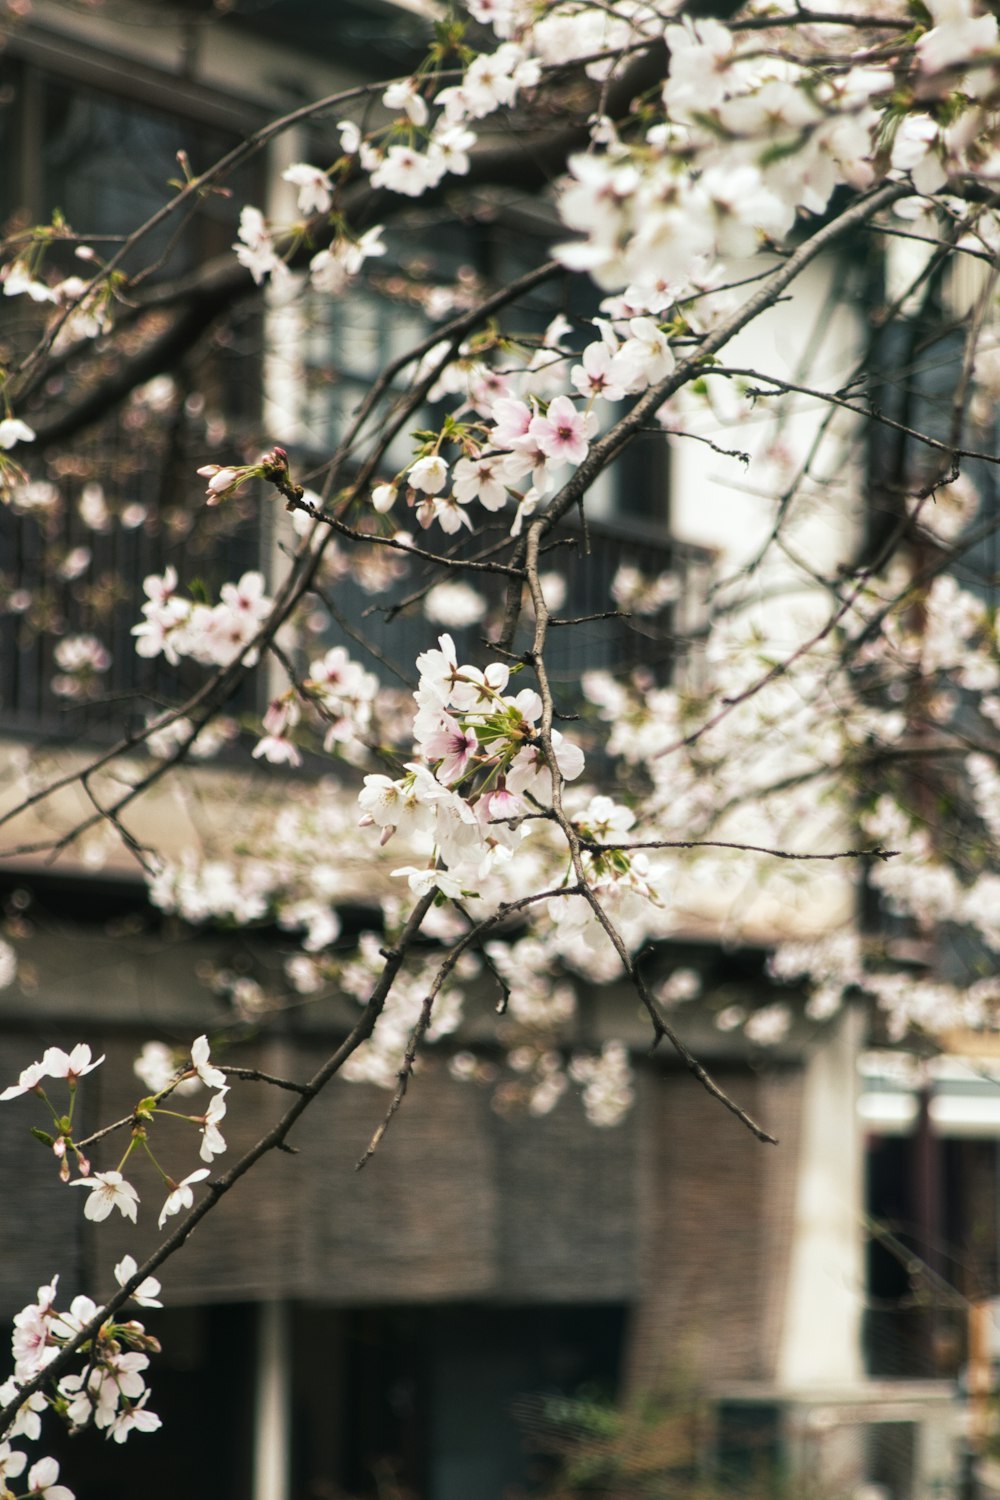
399,1331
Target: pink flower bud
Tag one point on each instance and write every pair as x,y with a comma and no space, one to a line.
222,480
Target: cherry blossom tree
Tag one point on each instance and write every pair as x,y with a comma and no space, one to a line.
831,709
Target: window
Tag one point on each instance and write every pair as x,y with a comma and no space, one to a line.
349,341
439,1400
112,496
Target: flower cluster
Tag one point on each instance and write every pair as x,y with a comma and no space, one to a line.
741,139
483,772
213,635
81,660
82,309
526,430
110,1393
109,1190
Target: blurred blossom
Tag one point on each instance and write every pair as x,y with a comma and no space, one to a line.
37,497
133,515
159,394
74,563
8,964
768,1025
455,605
157,1064
553,587
643,595
210,739
682,984
93,508
82,653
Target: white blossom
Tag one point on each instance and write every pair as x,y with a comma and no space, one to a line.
108,1190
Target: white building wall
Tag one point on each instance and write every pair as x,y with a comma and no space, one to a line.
821,1337
814,339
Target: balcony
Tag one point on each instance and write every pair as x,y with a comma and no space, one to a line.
62,581
637,595
73,556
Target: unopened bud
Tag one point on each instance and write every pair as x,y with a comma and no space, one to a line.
223,482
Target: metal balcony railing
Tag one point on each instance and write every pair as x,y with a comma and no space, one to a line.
72,564
637,598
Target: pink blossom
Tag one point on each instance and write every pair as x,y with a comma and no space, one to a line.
350,137
369,246
496,13
159,588
439,672
486,388
256,249
482,479
421,881
134,1417
277,750
68,1324
480,690
596,376
512,418
958,37
453,746
391,804
11,1462
405,95
445,510
406,171
30,1343
13,430
498,805
221,481
562,434
384,497
529,771
429,474
451,144
16,280
28,1422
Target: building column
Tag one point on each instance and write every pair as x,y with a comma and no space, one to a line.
821,1333
272,1428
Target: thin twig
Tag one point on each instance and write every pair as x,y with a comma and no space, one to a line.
254,1075
661,1028
876,852
469,939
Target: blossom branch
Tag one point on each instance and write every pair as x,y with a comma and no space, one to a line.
661,1027
473,938
273,1139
